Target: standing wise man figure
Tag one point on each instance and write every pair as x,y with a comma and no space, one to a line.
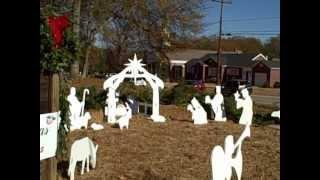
246,104
217,105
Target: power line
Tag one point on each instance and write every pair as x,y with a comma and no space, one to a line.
241,20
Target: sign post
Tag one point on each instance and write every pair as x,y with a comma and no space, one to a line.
49,165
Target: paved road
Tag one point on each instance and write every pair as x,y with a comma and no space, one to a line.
266,100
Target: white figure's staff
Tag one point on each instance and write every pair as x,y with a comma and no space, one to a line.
85,91
246,133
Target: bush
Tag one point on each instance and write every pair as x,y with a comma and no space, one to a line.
260,117
276,85
263,119
141,93
231,110
95,100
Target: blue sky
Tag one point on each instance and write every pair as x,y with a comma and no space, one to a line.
257,18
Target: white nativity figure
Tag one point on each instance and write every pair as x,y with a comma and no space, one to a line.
96,126
78,118
123,121
223,161
246,104
134,70
106,107
276,114
217,105
199,115
82,150
141,82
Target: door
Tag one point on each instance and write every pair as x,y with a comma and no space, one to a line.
260,79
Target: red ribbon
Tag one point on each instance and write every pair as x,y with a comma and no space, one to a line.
58,25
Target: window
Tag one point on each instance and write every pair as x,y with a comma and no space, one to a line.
212,71
233,71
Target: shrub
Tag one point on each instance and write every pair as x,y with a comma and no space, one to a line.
95,100
231,111
141,93
276,85
262,119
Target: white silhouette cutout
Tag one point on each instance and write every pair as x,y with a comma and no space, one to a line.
123,121
217,105
106,107
223,161
199,115
136,71
82,150
276,114
78,118
96,126
246,104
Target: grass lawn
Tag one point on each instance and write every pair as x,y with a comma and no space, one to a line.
177,149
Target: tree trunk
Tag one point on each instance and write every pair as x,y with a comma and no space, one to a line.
76,15
86,63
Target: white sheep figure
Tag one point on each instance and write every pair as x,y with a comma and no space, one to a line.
96,126
81,122
123,121
199,115
276,114
222,161
82,150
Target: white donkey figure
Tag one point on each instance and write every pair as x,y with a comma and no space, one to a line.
222,161
199,115
82,150
123,121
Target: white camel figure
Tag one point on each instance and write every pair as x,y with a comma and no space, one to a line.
246,104
77,116
96,126
217,105
123,121
199,115
82,150
276,114
223,161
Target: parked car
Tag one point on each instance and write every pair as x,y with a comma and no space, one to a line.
231,86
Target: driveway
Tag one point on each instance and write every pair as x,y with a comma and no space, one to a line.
266,100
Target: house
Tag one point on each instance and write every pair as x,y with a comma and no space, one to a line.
179,60
202,65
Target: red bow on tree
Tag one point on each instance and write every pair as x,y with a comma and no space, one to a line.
58,25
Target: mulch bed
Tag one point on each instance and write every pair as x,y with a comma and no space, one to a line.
177,149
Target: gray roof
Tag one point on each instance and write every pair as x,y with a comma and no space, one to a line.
188,54
237,60
272,64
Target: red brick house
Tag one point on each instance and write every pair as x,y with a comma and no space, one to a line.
193,64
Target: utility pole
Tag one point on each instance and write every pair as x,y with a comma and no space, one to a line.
219,41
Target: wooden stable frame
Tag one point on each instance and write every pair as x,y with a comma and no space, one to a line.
49,102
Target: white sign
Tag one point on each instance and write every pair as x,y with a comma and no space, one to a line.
48,134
